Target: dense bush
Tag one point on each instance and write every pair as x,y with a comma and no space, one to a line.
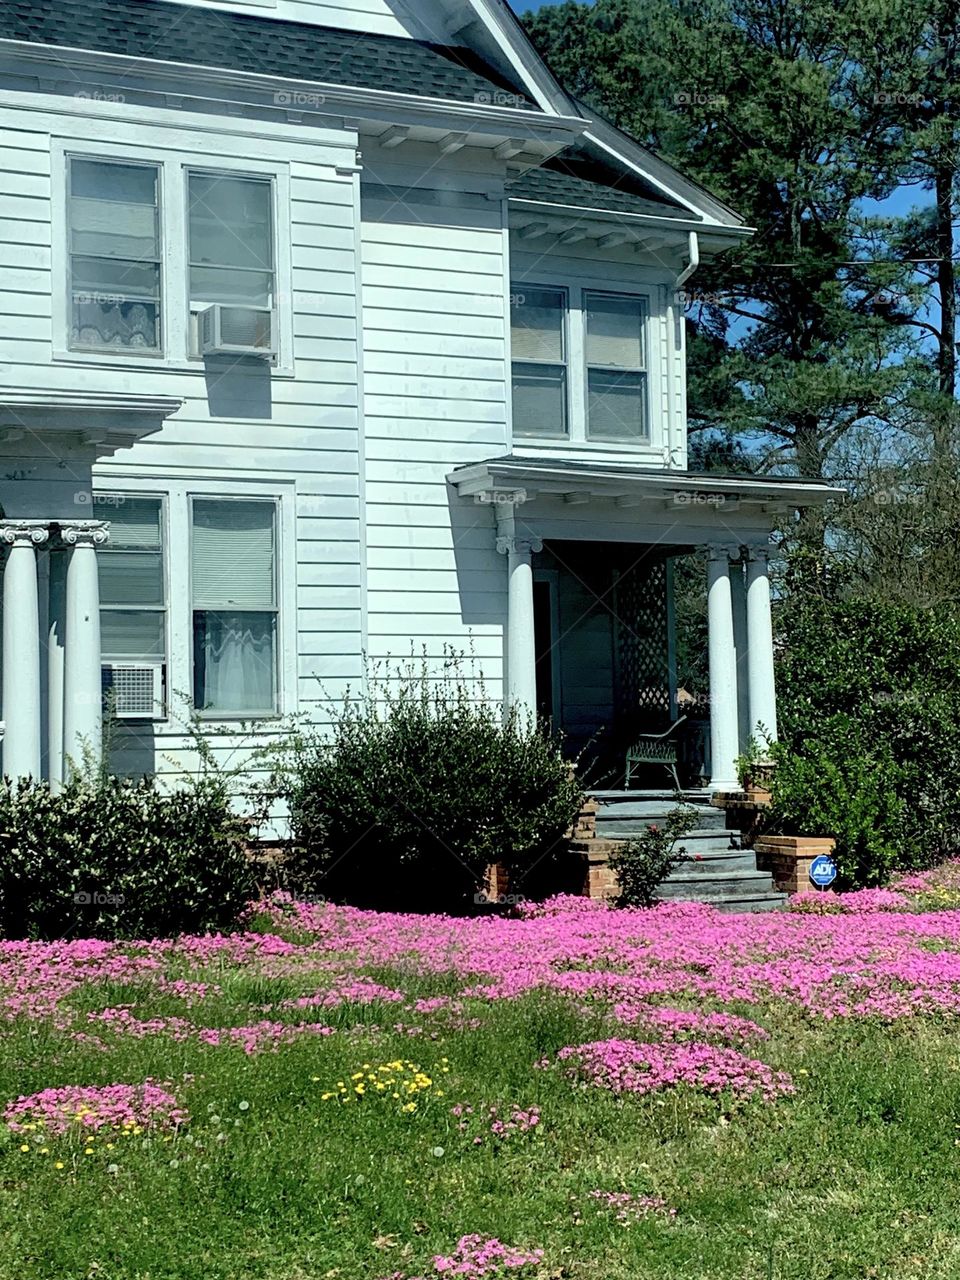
641,864
110,858
420,788
870,733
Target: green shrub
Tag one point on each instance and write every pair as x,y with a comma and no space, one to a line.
110,858
870,733
641,864
419,788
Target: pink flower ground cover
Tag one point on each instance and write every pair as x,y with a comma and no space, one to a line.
626,1066
89,1109
476,1257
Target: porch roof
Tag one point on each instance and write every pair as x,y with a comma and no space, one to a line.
629,484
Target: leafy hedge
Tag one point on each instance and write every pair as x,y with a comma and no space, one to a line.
110,858
870,733
418,789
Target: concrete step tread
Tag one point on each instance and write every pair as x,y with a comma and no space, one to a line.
610,830
743,874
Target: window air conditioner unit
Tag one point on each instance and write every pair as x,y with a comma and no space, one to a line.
238,331
133,690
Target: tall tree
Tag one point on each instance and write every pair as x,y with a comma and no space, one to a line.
774,105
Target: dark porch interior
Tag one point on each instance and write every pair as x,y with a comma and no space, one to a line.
607,658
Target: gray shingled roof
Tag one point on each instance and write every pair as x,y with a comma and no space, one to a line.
583,177
190,33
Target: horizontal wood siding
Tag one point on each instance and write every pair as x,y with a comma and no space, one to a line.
435,398
252,427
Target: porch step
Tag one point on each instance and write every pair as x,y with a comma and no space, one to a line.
723,884
718,872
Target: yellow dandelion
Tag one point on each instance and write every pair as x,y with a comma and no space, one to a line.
24,1147
58,1165
88,1151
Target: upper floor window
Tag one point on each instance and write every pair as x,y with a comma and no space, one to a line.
234,601
616,367
231,239
114,255
538,343
172,261
580,365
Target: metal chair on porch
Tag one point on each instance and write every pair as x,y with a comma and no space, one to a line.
655,748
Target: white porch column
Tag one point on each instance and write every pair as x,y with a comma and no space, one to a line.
21,648
762,694
56,633
521,681
82,720
724,728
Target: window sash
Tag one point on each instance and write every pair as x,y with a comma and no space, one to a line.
617,348
136,535
230,270
114,294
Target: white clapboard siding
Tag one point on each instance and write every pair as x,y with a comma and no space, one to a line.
292,431
435,397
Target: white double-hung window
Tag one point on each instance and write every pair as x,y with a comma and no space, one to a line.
233,566
616,367
133,607
113,215
538,350
230,220
580,364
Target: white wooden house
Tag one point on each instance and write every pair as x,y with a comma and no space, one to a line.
335,328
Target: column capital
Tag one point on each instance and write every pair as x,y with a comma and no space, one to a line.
509,544
756,555
19,533
723,551
84,533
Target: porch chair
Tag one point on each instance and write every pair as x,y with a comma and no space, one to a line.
655,748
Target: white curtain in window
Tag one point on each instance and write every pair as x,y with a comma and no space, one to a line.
234,662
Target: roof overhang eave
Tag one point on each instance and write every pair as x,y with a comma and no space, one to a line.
602,481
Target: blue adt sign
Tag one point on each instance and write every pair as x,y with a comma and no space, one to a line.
823,871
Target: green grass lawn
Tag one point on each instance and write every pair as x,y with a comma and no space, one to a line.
855,1175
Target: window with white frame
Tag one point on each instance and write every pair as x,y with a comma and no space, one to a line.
233,566
230,230
616,367
133,607
580,364
113,212
538,348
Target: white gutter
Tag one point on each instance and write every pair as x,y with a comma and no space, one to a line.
693,254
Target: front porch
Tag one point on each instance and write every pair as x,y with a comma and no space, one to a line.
590,637
51,659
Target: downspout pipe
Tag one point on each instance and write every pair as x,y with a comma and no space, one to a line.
693,261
